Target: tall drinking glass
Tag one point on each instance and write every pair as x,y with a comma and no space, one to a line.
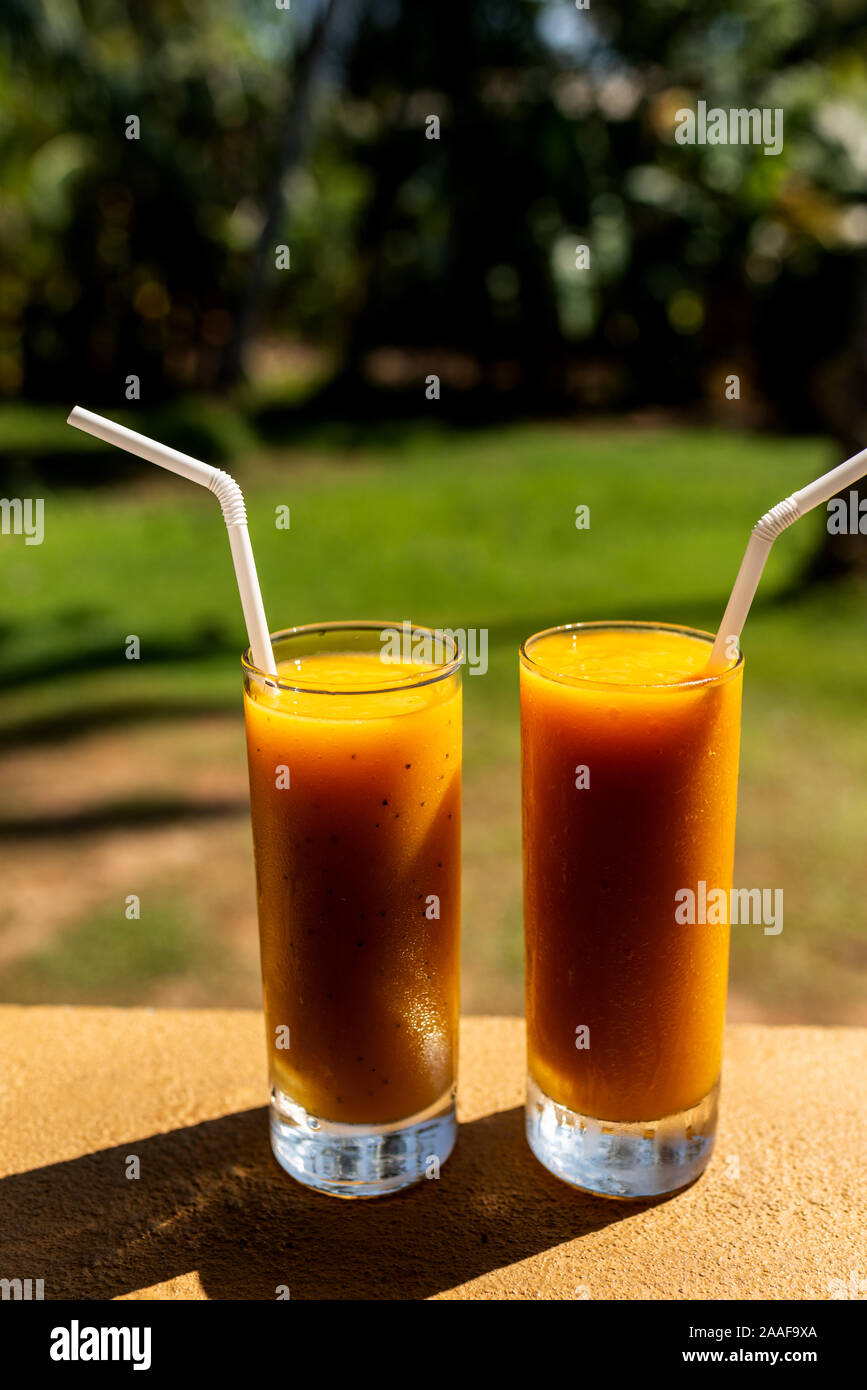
629,768
355,787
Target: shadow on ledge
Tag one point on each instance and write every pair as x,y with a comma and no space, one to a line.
212,1198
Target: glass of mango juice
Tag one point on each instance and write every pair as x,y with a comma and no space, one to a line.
629,777
354,755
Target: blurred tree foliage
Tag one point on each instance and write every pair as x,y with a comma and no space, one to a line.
454,255
124,256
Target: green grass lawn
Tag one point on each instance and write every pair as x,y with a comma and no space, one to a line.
455,530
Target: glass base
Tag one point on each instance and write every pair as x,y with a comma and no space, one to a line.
614,1158
361,1160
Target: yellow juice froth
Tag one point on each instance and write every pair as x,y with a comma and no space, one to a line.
625,658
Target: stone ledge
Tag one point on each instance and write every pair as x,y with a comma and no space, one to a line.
780,1213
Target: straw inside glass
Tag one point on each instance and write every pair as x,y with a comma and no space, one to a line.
231,499
762,537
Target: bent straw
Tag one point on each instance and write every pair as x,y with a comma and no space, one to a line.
762,537
231,499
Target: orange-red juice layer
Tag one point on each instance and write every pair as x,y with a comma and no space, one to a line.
604,861
358,876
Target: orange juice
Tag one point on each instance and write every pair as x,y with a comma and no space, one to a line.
355,772
630,764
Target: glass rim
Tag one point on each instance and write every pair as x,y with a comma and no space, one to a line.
635,625
432,674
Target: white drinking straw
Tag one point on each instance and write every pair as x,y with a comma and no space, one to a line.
762,537
231,499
